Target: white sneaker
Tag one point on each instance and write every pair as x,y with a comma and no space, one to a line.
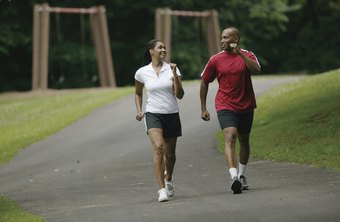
163,195
243,180
169,186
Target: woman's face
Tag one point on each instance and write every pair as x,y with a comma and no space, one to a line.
159,51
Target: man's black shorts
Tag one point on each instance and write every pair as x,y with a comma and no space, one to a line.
170,123
242,121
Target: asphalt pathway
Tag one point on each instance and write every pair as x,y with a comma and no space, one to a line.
100,169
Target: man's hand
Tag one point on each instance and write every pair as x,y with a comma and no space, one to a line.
235,48
205,115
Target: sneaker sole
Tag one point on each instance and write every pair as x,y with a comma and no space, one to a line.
245,188
236,187
163,200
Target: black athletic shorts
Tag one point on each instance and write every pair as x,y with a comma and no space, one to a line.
170,123
242,121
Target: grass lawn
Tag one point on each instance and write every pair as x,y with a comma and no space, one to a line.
299,122
10,212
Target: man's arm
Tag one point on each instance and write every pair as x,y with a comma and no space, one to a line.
251,64
203,96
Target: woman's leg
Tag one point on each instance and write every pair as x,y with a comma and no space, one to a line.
170,156
158,146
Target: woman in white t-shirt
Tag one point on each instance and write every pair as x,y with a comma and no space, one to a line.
163,84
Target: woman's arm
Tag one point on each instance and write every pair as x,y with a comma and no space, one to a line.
178,88
139,99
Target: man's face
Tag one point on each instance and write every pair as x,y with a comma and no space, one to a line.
228,37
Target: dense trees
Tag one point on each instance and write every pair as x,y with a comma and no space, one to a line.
286,35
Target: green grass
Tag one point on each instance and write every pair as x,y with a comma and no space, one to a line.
26,118
10,212
299,122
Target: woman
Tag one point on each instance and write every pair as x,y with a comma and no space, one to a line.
163,84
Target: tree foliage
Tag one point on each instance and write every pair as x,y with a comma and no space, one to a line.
286,36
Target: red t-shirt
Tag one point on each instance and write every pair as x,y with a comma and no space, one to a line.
235,91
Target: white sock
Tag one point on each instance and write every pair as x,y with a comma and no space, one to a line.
242,169
233,172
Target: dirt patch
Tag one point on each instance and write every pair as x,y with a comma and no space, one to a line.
318,118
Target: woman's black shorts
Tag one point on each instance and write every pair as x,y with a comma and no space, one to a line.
170,123
242,121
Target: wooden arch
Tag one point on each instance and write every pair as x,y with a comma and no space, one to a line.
41,20
212,27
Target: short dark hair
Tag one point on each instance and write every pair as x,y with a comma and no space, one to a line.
235,31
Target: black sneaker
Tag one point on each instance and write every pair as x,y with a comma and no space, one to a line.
244,183
236,186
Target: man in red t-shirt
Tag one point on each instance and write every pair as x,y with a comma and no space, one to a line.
234,102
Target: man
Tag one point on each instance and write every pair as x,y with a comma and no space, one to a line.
234,102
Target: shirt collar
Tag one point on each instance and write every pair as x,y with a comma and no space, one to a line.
164,67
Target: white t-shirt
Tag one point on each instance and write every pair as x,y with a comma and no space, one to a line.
160,95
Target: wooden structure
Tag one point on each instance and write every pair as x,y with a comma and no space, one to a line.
212,28
41,21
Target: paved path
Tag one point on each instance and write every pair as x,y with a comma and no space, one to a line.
100,169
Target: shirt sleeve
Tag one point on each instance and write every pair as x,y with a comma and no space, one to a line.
178,72
208,74
138,76
253,57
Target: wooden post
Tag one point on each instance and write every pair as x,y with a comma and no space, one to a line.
167,33
163,29
36,47
158,23
213,33
217,31
41,22
103,49
45,26
98,48
104,34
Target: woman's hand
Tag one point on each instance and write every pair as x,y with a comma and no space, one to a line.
173,67
139,116
177,85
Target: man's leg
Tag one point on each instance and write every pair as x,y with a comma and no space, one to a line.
244,157
229,122
244,148
245,124
230,136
